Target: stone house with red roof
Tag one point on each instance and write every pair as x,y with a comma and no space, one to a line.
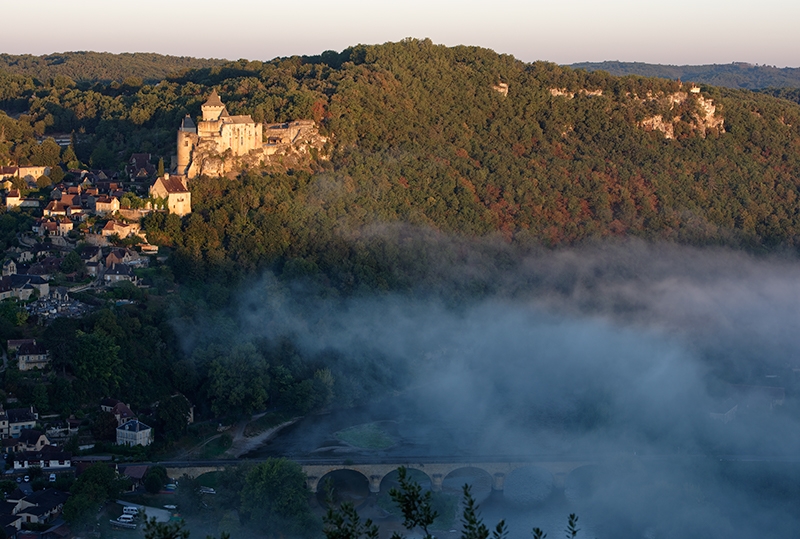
175,191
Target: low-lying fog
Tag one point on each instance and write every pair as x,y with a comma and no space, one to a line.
622,351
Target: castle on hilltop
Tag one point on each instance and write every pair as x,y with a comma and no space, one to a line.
218,132
221,143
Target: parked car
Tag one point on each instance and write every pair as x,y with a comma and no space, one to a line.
27,479
52,478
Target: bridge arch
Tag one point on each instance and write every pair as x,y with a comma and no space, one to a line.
389,480
530,484
482,481
346,484
581,481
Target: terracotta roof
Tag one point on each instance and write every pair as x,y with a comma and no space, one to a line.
173,184
213,100
121,409
136,472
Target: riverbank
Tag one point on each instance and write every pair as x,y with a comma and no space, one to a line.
244,444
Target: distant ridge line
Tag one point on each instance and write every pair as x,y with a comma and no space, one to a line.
734,75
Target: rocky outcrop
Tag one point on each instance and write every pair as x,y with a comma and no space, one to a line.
701,111
295,143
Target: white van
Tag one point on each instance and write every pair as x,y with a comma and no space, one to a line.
125,519
130,510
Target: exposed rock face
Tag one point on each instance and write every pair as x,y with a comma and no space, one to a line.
704,118
657,123
296,141
501,88
566,93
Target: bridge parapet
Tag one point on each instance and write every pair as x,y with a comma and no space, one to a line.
437,472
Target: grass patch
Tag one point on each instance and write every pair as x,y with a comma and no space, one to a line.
265,422
216,447
366,436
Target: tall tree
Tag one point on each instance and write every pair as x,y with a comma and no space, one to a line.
275,499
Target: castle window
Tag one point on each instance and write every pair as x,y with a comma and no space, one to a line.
185,142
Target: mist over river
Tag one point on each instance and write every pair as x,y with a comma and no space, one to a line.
673,371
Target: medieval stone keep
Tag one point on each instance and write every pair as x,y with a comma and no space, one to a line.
217,133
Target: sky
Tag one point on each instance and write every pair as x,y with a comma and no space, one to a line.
568,31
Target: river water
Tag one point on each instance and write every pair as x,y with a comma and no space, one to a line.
622,496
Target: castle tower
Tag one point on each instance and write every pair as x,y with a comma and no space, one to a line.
187,134
213,108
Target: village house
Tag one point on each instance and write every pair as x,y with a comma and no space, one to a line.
134,433
20,255
9,268
29,440
119,272
120,256
13,199
94,268
139,167
175,191
104,204
40,507
123,413
32,172
55,207
60,293
22,286
135,474
7,173
48,458
16,420
31,356
123,230
107,405
91,254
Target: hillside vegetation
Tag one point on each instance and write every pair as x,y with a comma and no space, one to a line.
419,135
735,75
91,67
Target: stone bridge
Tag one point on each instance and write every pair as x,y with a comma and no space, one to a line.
375,472
438,471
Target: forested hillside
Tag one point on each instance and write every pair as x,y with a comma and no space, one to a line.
735,75
91,67
421,136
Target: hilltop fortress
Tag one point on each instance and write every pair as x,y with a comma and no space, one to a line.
221,143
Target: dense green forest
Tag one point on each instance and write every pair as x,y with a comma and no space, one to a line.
735,75
433,182
90,67
420,137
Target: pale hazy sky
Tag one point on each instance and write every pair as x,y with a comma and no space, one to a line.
670,31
